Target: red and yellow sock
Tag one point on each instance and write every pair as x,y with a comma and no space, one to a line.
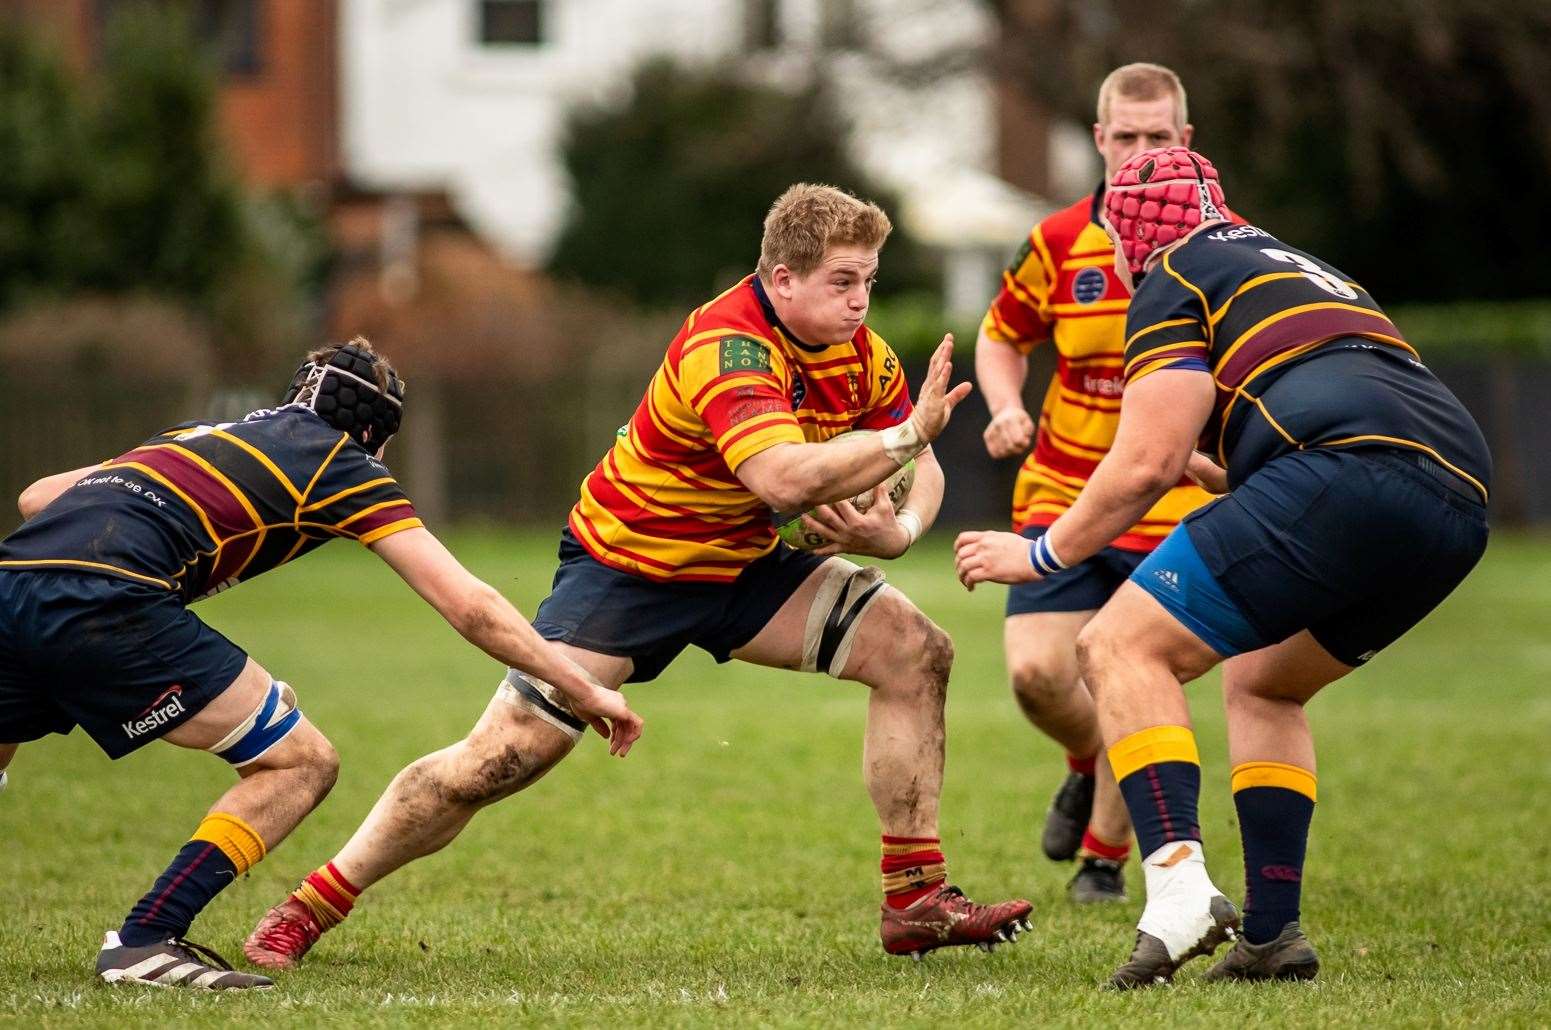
913,867
1094,846
327,895
1082,766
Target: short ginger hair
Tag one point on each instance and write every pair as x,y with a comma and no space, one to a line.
809,218
1143,81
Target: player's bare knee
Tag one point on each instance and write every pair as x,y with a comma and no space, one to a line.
317,763
936,652
926,650
1098,649
1040,678
495,763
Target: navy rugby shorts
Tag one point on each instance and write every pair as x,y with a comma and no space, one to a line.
1084,587
595,607
125,661
1355,546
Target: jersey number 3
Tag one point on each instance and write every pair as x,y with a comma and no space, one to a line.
1313,273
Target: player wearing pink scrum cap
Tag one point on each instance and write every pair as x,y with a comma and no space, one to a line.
1159,197
1355,501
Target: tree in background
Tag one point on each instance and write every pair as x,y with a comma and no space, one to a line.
116,184
1397,139
670,186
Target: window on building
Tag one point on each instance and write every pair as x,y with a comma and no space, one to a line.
761,24
840,26
231,30
511,22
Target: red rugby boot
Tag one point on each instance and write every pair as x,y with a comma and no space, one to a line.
945,918
283,936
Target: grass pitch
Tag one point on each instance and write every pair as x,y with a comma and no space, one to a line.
727,871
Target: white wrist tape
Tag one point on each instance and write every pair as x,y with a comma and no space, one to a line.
1043,556
902,442
912,523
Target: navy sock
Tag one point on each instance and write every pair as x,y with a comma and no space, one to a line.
197,875
1160,778
1274,823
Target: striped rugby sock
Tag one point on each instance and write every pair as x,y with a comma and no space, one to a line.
912,868
1275,802
1159,772
1094,846
223,848
327,895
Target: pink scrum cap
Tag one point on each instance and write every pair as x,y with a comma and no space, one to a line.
1158,196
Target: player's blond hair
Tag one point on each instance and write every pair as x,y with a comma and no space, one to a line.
809,218
1143,81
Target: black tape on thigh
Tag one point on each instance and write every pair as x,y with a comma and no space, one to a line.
536,698
838,623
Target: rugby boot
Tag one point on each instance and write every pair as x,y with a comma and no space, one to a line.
1186,916
283,936
1288,956
1098,880
1067,818
173,962
945,918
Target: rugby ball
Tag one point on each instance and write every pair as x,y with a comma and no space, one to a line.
791,530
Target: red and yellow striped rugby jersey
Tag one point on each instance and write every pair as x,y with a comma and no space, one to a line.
665,502
1061,288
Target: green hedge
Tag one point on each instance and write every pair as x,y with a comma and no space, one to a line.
1521,328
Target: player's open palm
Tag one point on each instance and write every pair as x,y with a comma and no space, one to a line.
935,402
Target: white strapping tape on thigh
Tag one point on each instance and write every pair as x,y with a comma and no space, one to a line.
267,725
845,595
534,695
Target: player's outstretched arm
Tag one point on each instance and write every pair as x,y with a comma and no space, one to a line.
43,493
486,619
797,476
1161,418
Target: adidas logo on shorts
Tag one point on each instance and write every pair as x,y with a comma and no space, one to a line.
1168,577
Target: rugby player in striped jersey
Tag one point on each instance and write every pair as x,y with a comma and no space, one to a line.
673,543
1061,290
95,628
1356,488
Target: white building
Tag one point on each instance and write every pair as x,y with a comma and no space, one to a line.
469,96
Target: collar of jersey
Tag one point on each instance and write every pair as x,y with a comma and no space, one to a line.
775,321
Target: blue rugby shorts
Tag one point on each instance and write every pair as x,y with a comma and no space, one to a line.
598,608
1356,546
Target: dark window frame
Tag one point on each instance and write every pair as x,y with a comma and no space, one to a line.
525,25
232,32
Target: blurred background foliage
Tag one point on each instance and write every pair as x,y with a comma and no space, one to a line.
139,276
1404,141
672,180
115,185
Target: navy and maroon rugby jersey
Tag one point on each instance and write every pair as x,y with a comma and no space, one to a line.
203,506
1301,355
